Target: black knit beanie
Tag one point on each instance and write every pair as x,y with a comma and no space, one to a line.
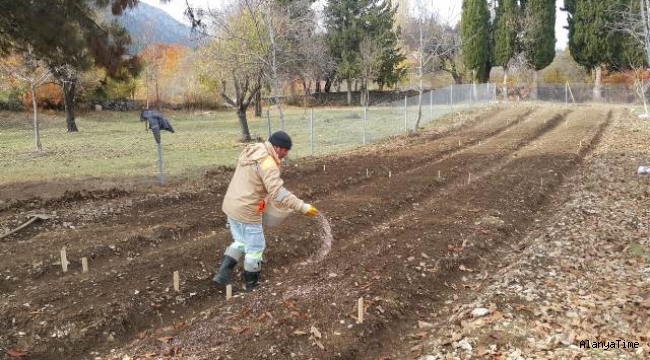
281,139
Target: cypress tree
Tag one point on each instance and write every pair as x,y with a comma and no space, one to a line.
475,37
593,43
506,30
540,35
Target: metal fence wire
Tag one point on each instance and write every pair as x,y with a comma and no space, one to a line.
117,146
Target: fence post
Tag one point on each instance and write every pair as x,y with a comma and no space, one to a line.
566,93
487,91
405,112
451,96
471,90
365,123
268,120
160,164
431,102
311,130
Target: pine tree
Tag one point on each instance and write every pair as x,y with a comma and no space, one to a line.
348,23
65,35
475,37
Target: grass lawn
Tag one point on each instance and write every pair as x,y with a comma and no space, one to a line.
116,145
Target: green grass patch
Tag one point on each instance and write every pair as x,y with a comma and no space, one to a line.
116,144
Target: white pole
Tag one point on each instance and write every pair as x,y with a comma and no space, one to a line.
311,130
268,120
431,102
64,260
405,113
365,123
160,164
360,310
451,96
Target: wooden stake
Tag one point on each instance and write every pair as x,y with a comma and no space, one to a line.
64,260
177,282
439,177
323,167
367,173
84,265
389,174
360,311
469,178
228,292
458,142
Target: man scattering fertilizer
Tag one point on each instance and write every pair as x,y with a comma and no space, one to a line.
256,181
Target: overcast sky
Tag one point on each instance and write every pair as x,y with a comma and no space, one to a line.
447,9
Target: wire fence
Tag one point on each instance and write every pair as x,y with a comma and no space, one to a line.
115,145
572,93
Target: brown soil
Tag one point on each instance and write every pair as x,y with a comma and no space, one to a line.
402,242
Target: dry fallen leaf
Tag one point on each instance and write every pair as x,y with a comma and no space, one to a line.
319,344
315,331
17,353
165,339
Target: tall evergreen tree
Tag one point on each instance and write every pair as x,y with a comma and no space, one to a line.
540,33
475,37
593,43
506,30
348,23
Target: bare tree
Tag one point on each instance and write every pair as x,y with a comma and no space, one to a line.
433,46
369,63
33,72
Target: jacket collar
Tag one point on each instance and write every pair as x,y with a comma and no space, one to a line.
273,154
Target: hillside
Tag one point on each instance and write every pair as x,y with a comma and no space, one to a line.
148,25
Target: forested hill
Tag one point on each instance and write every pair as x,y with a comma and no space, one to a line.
148,25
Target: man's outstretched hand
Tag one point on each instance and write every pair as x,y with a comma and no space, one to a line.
310,210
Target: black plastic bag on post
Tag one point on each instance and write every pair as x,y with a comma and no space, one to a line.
157,122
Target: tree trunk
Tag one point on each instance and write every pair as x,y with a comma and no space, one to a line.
356,85
243,124
158,96
69,87
318,85
258,104
349,82
37,134
598,83
328,85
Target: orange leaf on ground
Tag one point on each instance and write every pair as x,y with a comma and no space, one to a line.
17,353
165,339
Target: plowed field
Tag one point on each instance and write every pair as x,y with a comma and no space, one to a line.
410,217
